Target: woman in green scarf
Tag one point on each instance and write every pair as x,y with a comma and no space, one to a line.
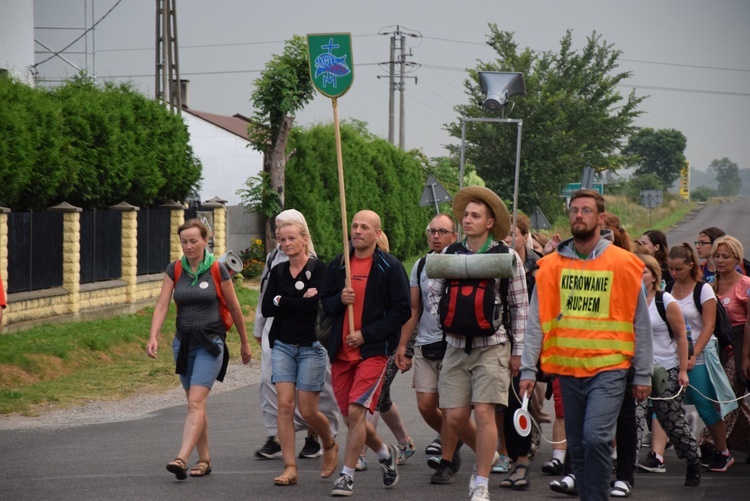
201,287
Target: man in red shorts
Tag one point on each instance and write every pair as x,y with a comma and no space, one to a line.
381,305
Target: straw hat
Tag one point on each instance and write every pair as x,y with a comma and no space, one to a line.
501,228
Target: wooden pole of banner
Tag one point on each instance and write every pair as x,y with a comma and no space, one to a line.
342,198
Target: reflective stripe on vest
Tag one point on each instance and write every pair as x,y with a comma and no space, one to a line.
586,311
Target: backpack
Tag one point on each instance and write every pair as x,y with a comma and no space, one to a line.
722,327
659,301
468,307
224,313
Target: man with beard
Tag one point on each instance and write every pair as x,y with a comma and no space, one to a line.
589,322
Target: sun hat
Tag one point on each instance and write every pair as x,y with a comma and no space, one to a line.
501,228
295,215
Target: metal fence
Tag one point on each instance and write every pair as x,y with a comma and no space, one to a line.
35,250
153,240
101,245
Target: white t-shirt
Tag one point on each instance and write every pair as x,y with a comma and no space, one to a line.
665,348
428,327
692,317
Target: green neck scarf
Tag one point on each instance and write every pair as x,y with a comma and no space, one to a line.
203,266
483,248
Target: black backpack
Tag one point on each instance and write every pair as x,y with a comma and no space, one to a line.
659,301
468,307
722,327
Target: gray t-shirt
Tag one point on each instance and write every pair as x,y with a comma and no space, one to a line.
428,327
197,305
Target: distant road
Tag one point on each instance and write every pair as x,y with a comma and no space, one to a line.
734,218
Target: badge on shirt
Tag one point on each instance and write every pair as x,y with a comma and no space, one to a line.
299,285
203,285
726,301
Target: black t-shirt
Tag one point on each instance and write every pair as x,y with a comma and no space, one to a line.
294,317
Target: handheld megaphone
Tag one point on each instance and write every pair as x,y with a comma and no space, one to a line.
232,261
522,418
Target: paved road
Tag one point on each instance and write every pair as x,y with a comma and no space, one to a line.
125,460
731,217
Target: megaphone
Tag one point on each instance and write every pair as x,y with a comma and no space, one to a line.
498,86
522,418
232,261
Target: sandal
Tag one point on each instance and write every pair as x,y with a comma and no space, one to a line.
202,468
620,489
516,482
289,476
178,467
330,460
565,486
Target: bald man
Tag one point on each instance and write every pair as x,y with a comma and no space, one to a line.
380,300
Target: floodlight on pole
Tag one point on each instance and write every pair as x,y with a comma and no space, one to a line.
498,87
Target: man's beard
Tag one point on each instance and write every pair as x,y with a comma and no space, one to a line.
584,233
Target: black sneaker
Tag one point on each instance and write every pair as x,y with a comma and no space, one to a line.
652,464
434,461
435,448
344,486
311,449
693,475
271,450
720,462
390,471
443,475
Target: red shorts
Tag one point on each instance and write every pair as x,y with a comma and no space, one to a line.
557,396
358,382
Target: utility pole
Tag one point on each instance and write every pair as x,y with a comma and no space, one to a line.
399,33
167,59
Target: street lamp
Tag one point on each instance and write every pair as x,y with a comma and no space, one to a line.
498,86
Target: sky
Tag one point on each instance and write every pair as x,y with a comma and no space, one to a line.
692,58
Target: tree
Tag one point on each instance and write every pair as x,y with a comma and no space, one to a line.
282,89
727,175
660,152
573,117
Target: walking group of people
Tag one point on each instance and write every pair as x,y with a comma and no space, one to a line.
584,320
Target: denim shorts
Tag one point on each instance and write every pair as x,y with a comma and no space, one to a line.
305,366
202,367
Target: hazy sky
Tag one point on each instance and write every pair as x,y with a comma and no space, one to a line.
691,57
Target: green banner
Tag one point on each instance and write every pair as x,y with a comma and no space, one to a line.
331,64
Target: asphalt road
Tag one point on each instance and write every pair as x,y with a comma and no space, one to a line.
125,460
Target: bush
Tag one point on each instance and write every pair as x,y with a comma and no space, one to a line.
703,193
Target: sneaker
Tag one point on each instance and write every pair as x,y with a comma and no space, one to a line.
443,475
344,486
669,446
693,475
553,467
405,451
502,465
473,478
720,462
480,493
390,471
435,448
361,464
311,449
652,464
434,462
271,450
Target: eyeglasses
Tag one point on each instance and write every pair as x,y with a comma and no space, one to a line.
698,243
586,211
442,232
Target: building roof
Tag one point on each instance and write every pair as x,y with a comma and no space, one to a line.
236,124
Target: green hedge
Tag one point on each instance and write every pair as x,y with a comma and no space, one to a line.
92,146
377,176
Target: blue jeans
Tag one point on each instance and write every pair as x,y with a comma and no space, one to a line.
592,405
305,366
202,367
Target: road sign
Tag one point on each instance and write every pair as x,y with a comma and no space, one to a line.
685,181
539,221
434,193
570,188
330,56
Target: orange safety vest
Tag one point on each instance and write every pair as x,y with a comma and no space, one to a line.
586,308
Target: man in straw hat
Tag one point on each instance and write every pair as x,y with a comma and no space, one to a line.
477,370
589,322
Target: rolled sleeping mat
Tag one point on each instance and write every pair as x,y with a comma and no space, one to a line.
232,261
457,266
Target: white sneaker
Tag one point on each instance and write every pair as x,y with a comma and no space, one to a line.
480,493
473,478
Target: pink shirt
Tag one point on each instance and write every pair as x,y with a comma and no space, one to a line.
735,301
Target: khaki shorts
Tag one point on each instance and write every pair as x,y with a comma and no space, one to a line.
426,372
481,377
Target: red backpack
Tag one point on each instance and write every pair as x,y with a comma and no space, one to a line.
224,313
